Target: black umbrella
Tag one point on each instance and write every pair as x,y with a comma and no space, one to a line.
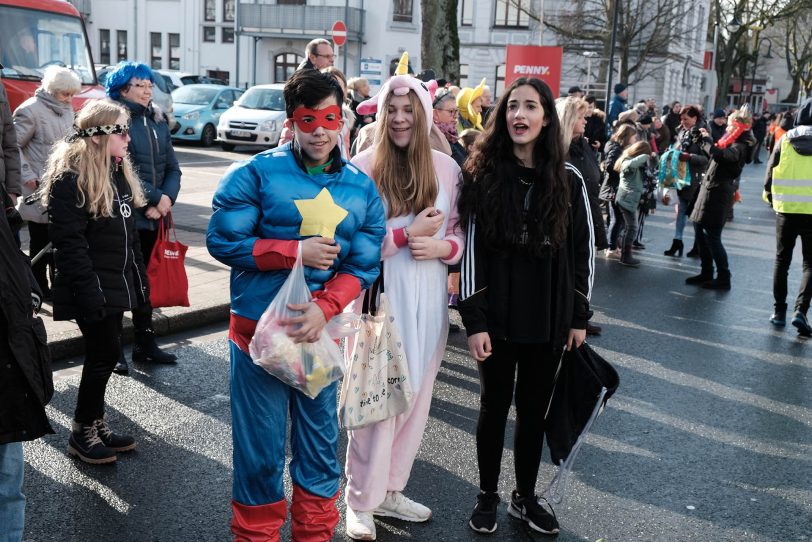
584,381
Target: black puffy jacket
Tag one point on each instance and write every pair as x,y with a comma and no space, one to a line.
583,157
153,156
99,267
26,381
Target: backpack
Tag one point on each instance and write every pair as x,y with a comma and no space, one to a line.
673,172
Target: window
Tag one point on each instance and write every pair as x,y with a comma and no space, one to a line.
104,46
292,2
463,75
228,11
284,66
499,86
209,34
512,13
402,11
228,34
210,11
156,51
122,44
467,13
174,51
218,74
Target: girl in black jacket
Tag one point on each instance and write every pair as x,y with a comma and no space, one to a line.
525,288
91,192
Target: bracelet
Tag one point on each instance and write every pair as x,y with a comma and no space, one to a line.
406,231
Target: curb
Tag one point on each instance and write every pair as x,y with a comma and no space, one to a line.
70,344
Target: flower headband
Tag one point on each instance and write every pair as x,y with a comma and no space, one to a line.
107,129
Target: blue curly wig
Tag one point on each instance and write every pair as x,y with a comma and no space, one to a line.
120,78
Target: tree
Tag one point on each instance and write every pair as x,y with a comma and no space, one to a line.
647,30
796,48
735,42
439,41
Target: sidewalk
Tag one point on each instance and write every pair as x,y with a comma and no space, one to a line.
208,283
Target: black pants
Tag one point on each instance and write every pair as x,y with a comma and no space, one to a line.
102,350
536,365
38,234
142,315
787,229
615,226
711,250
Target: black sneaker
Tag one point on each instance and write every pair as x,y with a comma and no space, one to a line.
121,367
802,324
483,518
119,443
528,509
84,443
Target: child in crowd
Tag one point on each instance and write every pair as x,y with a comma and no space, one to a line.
631,166
299,195
91,191
526,284
419,187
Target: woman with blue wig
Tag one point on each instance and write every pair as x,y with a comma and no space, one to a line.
151,151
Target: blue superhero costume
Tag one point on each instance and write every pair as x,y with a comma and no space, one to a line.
263,207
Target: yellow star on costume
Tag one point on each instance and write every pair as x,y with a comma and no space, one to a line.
320,215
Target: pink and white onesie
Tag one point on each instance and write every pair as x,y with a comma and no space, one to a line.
380,456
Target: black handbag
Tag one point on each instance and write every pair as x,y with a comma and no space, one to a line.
584,382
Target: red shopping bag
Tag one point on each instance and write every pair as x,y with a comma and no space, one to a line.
168,284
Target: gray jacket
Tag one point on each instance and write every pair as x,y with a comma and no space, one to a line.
39,122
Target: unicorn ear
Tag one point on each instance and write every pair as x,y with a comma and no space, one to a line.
432,86
403,65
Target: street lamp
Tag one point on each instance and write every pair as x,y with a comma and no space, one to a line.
755,65
589,56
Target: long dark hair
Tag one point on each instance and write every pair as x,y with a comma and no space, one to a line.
489,190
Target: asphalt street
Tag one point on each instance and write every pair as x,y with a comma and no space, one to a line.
709,437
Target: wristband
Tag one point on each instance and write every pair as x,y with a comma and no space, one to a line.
406,231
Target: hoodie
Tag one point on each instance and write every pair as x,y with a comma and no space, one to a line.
799,137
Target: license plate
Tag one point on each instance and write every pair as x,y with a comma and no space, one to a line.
240,133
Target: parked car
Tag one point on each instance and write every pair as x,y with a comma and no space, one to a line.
175,79
198,108
160,92
255,119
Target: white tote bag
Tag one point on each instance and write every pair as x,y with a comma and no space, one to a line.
376,385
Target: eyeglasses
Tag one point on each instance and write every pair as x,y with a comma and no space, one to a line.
142,85
454,112
328,57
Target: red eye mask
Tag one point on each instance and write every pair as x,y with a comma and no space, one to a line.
309,119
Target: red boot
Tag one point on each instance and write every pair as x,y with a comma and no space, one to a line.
257,523
313,518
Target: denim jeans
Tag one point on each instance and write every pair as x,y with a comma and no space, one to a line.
682,216
788,227
712,251
615,226
12,500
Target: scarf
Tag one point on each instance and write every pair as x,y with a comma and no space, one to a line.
449,130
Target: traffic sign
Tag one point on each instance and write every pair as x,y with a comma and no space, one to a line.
339,33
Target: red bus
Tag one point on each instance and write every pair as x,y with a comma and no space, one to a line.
35,34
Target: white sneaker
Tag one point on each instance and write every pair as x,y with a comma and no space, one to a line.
396,505
360,525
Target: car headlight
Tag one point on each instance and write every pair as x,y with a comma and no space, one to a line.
222,124
268,126
194,115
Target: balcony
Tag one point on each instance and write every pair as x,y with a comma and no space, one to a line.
282,21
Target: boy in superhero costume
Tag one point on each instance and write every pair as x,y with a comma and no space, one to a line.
264,208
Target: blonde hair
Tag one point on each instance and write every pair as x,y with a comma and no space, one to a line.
641,147
570,110
405,177
742,115
92,164
355,83
624,134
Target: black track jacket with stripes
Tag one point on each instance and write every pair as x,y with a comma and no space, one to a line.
486,303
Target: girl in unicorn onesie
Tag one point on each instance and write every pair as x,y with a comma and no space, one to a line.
419,189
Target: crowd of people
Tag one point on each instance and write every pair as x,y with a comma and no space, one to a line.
495,209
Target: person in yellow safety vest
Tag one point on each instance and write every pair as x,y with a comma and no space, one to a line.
788,189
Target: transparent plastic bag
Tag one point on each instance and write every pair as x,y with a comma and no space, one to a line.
307,367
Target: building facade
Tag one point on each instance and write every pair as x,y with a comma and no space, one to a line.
487,26
248,42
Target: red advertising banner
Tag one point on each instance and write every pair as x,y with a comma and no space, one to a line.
541,62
